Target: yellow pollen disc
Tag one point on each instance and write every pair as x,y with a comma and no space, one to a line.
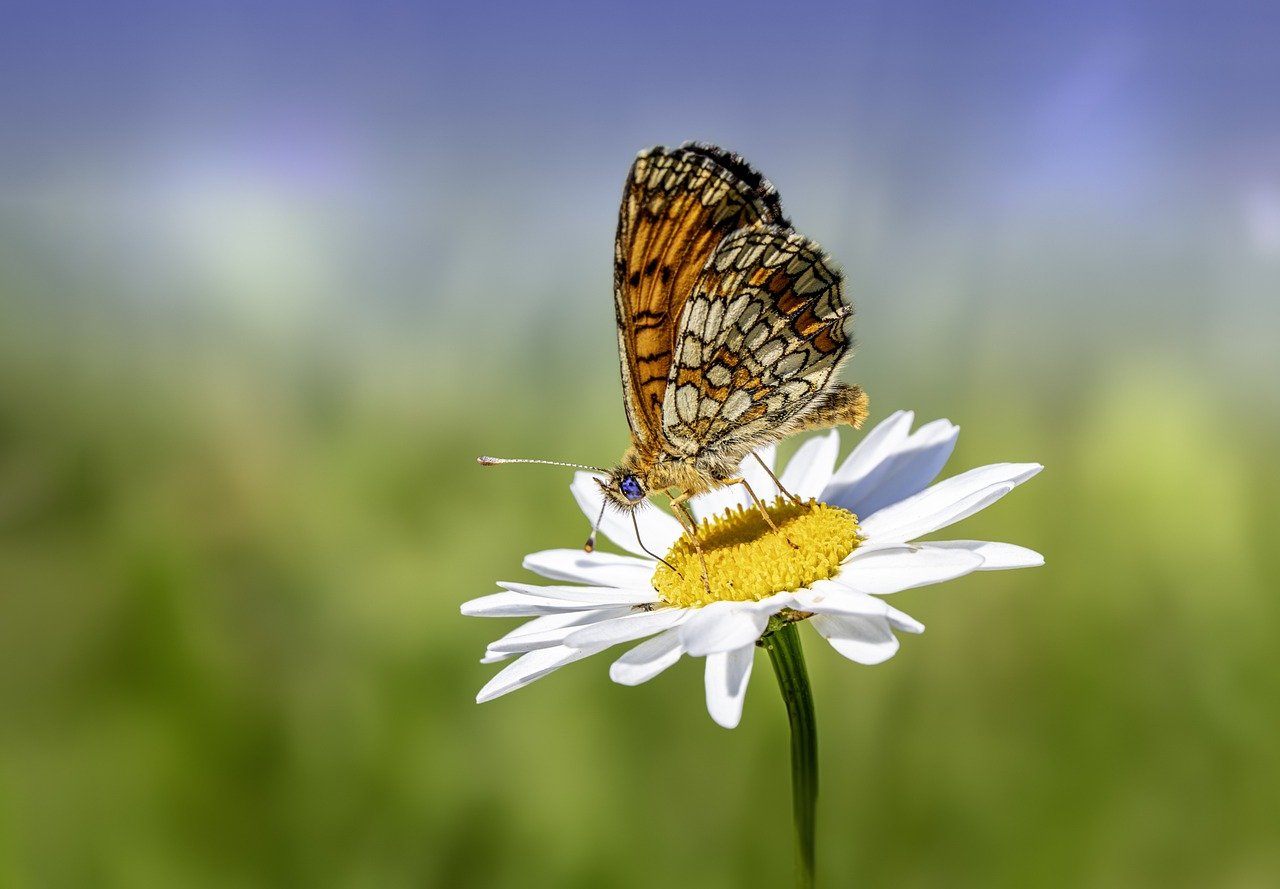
748,561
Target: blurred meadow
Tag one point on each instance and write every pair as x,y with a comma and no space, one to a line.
272,276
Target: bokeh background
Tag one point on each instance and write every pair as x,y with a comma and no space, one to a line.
271,275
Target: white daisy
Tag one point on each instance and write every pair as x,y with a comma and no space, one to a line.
852,545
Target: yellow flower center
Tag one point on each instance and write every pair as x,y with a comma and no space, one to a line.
746,560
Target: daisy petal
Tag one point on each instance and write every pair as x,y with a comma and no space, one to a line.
876,446
902,621
647,659
723,625
726,681
995,556
596,568
531,666
635,625
947,502
533,634
657,529
810,469
829,597
550,629
890,569
907,469
718,627
865,640
716,501
590,595
902,527
504,605
525,600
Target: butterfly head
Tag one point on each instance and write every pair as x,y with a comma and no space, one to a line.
624,488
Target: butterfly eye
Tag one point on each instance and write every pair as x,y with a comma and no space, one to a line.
631,488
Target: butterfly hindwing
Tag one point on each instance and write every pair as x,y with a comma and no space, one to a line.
677,207
759,340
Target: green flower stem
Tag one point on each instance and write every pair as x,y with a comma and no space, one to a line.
787,657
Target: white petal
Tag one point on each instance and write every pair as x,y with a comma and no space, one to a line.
726,679
590,595
635,625
866,640
596,568
658,530
877,445
900,620
716,501
719,627
526,600
902,567
504,605
723,625
947,502
908,527
904,469
811,466
995,556
550,629
647,659
828,597
529,667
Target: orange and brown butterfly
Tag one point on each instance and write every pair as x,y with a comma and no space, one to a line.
731,326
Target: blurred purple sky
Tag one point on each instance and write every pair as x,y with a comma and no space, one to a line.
406,160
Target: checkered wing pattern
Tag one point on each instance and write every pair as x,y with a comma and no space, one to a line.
759,340
677,207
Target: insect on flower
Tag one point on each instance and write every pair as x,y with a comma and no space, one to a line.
730,329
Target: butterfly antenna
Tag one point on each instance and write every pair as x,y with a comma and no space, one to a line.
590,545
495,461
635,524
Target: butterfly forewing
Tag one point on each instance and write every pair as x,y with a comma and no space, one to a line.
759,340
678,205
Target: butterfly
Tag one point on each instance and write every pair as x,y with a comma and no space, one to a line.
730,325
730,328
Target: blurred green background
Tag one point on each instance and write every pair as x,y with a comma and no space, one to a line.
272,277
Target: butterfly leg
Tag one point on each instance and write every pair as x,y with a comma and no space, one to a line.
760,506
765,467
680,506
